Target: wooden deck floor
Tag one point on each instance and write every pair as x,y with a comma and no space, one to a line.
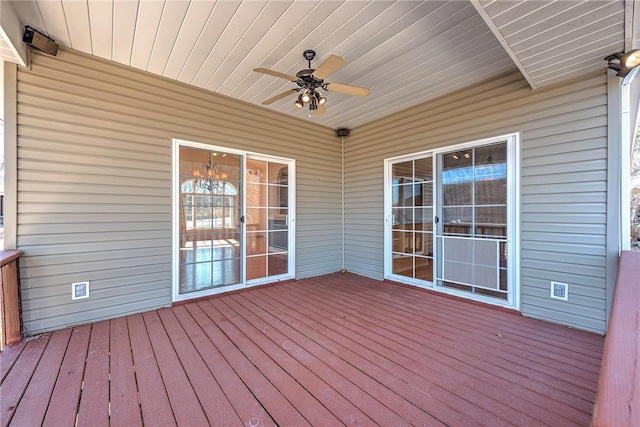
334,350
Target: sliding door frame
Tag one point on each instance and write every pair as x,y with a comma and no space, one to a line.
513,217
291,216
388,215
176,143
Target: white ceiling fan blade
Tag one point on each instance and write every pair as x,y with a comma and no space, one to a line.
347,89
274,98
319,110
328,67
276,74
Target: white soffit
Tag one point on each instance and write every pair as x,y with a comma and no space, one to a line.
406,52
554,40
11,47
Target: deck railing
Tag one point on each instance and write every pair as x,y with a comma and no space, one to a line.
618,400
10,325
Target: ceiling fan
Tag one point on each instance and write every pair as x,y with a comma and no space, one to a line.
309,82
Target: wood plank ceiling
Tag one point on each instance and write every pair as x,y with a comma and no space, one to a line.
406,52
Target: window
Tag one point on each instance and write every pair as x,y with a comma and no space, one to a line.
205,210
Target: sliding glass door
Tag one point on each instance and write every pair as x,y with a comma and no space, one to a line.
472,236
451,220
210,210
233,219
267,218
412,218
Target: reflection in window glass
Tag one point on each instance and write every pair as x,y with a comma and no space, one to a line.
267,218
474,194
412,217
474,191
209,215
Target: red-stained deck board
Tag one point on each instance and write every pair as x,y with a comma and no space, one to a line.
503,354
523,331
216,406
288,386
8,357
244,402
63,406
279,351
429,398
406,400
549,336
506,356
281,410
444,348
184,401
432,313
441,385
33,405
478,364
334,350
125,408
154,402
16,381
351,383
94,401
462,364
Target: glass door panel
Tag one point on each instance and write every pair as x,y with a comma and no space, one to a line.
412,218
210,206
472,234
267,219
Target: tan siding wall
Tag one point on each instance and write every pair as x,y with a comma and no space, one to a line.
94,183
563,183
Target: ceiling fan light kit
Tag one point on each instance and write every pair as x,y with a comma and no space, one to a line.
309,80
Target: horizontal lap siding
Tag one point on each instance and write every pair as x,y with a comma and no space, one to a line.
94,183
563,183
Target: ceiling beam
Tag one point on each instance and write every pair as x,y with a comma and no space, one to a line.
494,29
11,34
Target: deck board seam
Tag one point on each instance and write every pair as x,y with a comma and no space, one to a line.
348,307
346,363
393,374
435,322
497,402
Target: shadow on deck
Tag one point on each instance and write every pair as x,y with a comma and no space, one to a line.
334,350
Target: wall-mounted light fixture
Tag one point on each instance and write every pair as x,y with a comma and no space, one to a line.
42,42
622,62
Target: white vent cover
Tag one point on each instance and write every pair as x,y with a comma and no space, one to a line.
560,291
79,290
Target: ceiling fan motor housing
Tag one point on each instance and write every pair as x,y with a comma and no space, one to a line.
307,80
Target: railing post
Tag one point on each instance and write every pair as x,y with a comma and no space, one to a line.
10,312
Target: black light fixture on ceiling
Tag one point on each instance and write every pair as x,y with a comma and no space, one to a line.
622,62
